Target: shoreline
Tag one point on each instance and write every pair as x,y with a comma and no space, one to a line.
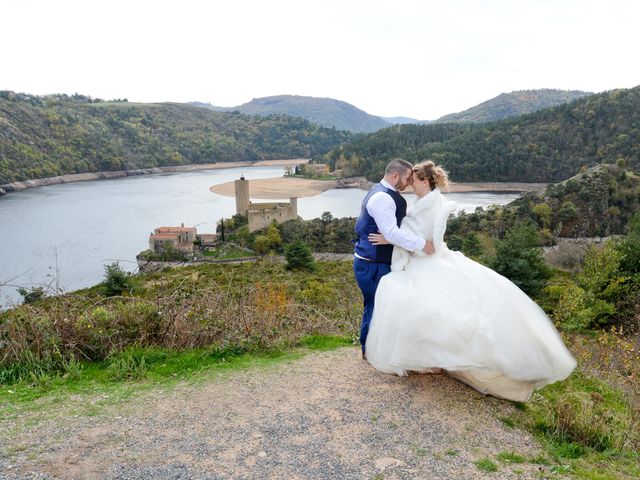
107,175
287,187
350,182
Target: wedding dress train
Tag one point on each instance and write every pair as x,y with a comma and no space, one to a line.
448,311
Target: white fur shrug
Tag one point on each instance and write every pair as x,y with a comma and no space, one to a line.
426,218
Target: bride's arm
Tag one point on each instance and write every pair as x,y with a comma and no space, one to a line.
440,224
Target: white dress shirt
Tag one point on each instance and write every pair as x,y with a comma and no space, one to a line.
383,210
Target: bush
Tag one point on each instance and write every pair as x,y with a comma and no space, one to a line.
270,241
298,256
33,294
629,248
471,245
519,259
116,281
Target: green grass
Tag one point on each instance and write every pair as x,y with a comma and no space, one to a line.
586,427
486,465
510,457
228,253
136,370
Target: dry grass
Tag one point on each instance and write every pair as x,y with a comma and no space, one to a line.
238,307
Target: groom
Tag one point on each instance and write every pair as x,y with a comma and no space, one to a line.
383,208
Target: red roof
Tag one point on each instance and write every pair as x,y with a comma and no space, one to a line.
175,229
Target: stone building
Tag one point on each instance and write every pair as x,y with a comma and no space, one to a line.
181,238
261,214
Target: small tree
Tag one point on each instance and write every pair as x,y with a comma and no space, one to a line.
629,247
116,280
519,259
299,257
270,241
31,295
471,245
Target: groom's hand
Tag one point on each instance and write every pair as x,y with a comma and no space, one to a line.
429,249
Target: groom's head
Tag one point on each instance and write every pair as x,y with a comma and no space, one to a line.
398,173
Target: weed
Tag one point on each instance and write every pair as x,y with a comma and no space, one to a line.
486,465
421,452
510,457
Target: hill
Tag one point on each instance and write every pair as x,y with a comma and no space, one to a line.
546,146
60,134
513,104
597,202
404,120
323,111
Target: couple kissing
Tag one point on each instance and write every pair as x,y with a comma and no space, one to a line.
428,308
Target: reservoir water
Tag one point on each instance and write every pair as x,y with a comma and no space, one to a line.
66,233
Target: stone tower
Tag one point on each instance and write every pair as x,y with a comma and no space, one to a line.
242,196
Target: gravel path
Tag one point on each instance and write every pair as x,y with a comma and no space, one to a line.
325,416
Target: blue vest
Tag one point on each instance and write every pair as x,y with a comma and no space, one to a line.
366,225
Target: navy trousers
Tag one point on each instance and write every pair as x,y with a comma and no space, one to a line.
368,275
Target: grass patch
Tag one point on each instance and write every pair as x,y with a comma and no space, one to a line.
486,465
508,421
589,429
510,457
137,369
226,252
421,452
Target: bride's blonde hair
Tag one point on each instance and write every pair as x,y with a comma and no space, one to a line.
436,176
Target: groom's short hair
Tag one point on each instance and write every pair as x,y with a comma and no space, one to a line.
399,165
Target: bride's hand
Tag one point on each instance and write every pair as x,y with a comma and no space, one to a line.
378,239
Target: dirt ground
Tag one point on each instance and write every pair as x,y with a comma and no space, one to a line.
328,415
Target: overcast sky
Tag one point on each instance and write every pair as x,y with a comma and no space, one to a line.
420,59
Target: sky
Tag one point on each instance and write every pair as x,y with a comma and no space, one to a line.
420,59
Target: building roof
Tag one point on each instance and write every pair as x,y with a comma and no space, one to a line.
163,236
175,229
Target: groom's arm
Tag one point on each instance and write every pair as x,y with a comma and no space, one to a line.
383,210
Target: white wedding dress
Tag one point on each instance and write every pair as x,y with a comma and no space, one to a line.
447,311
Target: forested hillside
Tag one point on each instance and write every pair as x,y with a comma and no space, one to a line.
55,135
597,202
513,104
546,146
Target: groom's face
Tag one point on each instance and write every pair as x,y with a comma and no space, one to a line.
404,180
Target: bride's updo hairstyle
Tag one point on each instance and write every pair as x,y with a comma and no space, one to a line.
436,176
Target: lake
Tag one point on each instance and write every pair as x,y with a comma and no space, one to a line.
74,229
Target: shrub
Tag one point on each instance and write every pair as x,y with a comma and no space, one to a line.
519,259
629,248
471,245
33,294
116,281
298,256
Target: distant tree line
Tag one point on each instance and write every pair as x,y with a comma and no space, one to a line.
61,134
545,146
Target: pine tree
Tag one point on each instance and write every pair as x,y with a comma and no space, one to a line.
299,257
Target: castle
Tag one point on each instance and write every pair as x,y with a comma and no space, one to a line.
260,215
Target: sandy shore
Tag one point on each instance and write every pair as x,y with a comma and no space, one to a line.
85,177
286,187
278,188
503,187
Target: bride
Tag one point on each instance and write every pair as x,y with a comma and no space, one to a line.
447,311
